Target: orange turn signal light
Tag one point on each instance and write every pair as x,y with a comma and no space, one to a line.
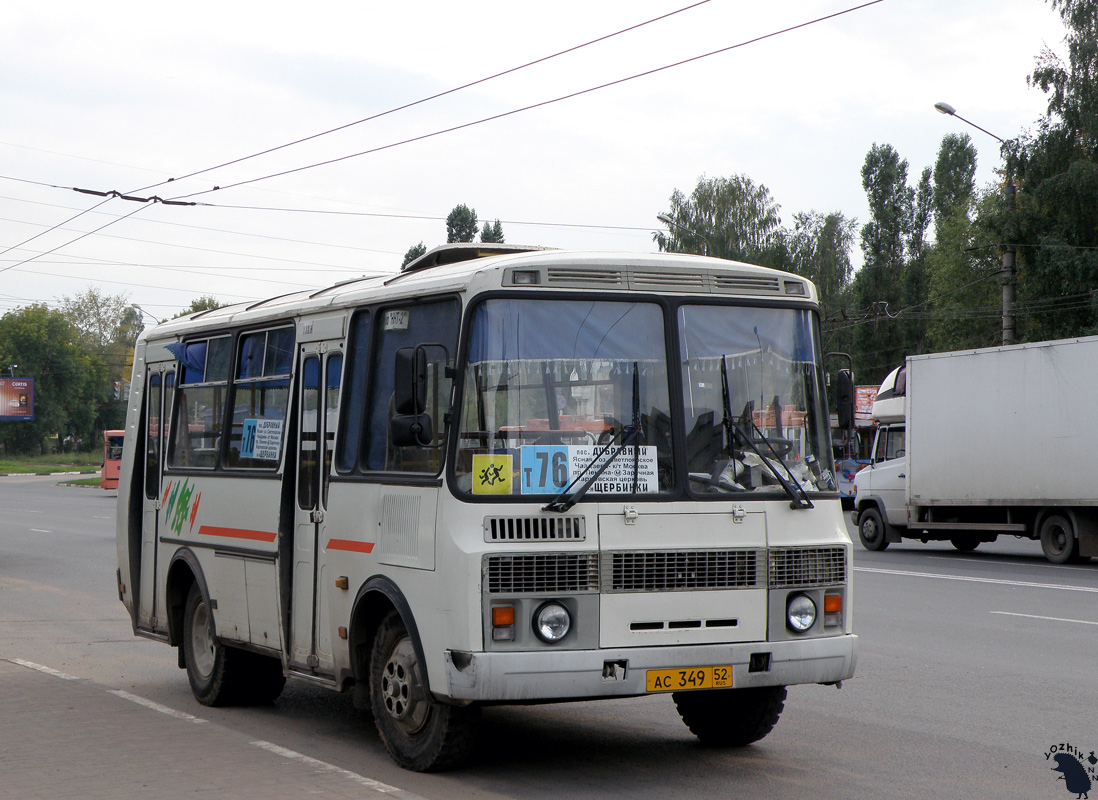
503,615
833,603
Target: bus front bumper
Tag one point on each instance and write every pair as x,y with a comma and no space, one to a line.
576,674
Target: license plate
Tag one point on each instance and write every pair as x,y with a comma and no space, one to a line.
678,680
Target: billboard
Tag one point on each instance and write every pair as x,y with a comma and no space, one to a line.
16,399
863,402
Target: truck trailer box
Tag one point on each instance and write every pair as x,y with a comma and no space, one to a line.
1014,426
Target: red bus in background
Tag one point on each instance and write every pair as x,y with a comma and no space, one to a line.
112,459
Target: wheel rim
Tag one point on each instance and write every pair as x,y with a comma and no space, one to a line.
869,530
203,646
1057,539
401,689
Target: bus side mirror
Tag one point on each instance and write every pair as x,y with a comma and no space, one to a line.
411,426
410,380
845,397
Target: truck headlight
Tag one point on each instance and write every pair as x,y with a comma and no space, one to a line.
800,613
552,622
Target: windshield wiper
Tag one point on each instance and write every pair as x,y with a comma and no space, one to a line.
568,498
798,497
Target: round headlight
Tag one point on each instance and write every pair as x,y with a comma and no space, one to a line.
552,622
800,613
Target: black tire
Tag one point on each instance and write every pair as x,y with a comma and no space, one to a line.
1058,540
731,717
966,544
217,673
419,733
871,529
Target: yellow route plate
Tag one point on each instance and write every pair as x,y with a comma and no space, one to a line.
678,680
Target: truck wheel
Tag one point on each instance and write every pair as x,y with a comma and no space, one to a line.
216,672
731,717
419,733
966,544
1058,540
871,529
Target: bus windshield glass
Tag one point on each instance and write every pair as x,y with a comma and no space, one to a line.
555,389
753,394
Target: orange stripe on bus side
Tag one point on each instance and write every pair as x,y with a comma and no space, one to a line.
351,545
237,533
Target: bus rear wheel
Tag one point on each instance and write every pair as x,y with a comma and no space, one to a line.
216,673
419,733
731,717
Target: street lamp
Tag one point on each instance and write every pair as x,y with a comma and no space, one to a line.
146,313
1008,251
665,218
12,368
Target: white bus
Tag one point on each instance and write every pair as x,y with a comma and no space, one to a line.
506,475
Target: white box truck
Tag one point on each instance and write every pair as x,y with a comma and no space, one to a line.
978,443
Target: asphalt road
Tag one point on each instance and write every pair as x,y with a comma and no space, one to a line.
972,666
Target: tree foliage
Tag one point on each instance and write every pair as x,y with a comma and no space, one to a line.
205,303
492,233
461,224
729,218
414,252
69,382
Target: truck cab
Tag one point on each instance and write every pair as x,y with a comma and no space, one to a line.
880,505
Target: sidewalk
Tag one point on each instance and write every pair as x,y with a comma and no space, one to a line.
62,737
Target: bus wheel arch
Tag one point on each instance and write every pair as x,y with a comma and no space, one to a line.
419,732
184,571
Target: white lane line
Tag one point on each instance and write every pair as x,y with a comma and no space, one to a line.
39,530
970,579
142,701
324,766
985,561
1053,619
42,668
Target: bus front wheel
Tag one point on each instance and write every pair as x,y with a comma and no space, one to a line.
731,717
419,733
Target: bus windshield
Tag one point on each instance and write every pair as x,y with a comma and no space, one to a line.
753,393
556,388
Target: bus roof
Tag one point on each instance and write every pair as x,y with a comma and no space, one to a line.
477,267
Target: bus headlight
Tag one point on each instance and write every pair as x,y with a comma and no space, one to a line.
800,613
552,622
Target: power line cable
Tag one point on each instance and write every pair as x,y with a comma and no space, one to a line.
532,106
436,96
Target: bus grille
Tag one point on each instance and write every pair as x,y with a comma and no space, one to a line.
678,570
534,529
541,573
806,567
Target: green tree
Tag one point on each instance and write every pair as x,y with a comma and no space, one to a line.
461,224
414,252
819,249
880,288
492,233
68,380
1054,223
729,218
205,303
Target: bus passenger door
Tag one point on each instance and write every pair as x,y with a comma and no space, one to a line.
310,644
158,399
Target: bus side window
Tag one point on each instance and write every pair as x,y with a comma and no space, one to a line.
434,323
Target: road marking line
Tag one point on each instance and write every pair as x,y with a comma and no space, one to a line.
1091,589
1053,619
39,530
985,561
41,668
326,767
141,701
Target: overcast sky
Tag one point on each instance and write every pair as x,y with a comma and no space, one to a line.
124,96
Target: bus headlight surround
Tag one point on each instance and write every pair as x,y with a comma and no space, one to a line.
552,622
800,613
